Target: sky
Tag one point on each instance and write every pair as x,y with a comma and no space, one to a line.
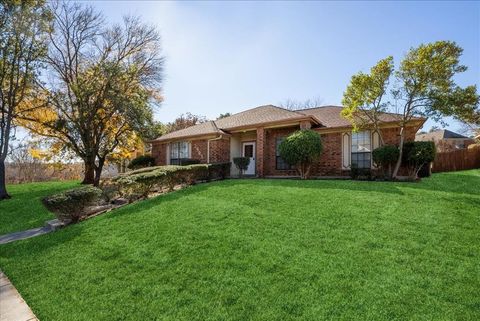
231,56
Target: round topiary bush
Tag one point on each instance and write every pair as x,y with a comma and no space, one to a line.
241,163
385,156
416,155
301,149
141,161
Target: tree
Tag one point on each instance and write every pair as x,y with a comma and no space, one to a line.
23,28
294,104
425,87
301,149
224,115
102,86
363,103
184,121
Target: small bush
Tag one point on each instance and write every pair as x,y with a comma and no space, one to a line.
416,155
301,149
385,157
141,162
74,203
241,163
189,161
361,173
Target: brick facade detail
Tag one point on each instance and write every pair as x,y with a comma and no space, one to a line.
199,150
220,150
159,152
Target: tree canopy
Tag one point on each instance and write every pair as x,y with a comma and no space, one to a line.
103,83
23,26
424,86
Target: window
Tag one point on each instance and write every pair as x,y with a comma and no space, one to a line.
178,151
361,150
280,164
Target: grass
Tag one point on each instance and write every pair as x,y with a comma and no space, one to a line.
24,210
265,250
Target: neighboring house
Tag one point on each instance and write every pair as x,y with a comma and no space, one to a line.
446,140
257,133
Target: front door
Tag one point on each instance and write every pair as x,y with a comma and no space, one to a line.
248,150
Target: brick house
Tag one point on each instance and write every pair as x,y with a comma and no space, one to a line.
446,140
257,133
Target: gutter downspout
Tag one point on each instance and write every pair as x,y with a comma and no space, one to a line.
208,146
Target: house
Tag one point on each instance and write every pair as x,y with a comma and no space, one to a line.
256,133
446,140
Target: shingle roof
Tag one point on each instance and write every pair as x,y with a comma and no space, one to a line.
329,116
326,116
437,135
257,115
207,128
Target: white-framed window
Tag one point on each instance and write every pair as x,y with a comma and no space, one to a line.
361,149
179,151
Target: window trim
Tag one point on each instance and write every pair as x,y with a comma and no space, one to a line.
366,133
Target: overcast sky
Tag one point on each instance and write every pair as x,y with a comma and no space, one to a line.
231,56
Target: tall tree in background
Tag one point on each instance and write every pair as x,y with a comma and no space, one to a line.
363,101
184,121
294,104
23,26
104,82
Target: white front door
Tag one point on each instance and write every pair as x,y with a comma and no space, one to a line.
248,150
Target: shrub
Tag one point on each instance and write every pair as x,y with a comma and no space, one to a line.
189,161
241,163
139,184
74,203
301,149
360,173
417,154
141,162
385,156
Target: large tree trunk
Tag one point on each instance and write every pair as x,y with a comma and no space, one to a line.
400,155
89,174
3,186
98,172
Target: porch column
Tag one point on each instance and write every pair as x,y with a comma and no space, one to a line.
259,157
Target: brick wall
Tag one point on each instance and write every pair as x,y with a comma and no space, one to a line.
199,150
159,152
220,150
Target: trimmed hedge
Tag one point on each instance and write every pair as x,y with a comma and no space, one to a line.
73,204
139,184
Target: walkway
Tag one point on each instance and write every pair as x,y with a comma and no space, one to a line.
12,306
7,238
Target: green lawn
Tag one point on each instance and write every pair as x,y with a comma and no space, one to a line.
265,250
24,210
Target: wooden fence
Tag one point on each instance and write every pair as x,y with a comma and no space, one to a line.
457,160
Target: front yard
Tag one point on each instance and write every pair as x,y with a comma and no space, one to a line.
24,210
265,250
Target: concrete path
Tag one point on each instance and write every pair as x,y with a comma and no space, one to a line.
12,306
7,238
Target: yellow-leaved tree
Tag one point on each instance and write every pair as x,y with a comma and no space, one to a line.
102,87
